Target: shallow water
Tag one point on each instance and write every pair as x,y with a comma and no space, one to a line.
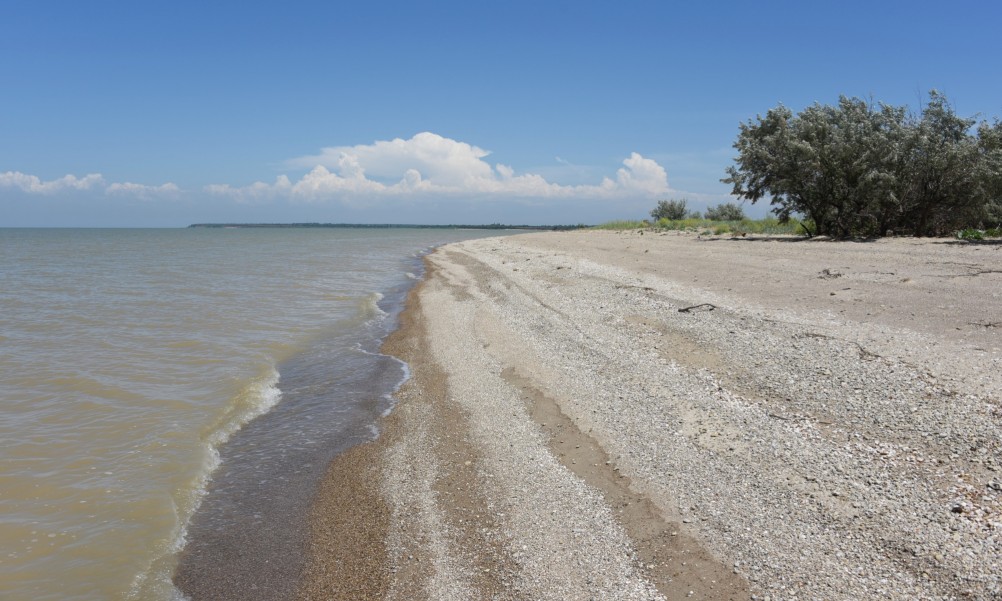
128,359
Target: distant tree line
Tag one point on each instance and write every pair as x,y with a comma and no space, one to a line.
865,169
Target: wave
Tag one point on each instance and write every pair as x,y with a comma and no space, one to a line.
370,306
255,399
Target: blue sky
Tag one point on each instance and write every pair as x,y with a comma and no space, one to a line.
135,113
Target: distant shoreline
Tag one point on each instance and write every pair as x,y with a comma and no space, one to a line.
492,226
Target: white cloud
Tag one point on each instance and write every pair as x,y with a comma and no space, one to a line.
639,175
425,168
34,185
429,164
143,191
442,160
255,193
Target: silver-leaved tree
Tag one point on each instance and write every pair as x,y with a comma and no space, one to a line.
865,169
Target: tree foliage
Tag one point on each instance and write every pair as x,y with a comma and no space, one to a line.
860,169
670,209
725,212
990,148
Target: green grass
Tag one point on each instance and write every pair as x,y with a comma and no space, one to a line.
769,225
975,234
623,225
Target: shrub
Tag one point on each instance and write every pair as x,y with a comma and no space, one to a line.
669,209
767,226
725,212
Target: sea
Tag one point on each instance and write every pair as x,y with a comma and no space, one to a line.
169,398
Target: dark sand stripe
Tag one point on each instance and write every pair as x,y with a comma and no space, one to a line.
350,520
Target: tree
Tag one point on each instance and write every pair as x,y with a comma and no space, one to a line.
864,169
990,175
830,164
943,189
671,210
725,212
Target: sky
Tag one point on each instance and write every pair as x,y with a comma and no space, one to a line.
161,114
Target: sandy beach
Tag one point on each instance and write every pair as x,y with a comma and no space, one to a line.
625,415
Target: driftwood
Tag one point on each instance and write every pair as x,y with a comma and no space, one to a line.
699,306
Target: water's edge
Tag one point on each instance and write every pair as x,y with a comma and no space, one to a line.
249,536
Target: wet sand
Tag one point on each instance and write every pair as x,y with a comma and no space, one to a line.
624,416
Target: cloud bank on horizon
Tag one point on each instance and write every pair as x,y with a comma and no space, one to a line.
425,166
32,184
432,165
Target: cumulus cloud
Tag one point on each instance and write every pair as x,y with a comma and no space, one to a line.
426,166
639,175
255,193
442,160
32,184
143,191
430,164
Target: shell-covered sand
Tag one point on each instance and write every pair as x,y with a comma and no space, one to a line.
602,415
